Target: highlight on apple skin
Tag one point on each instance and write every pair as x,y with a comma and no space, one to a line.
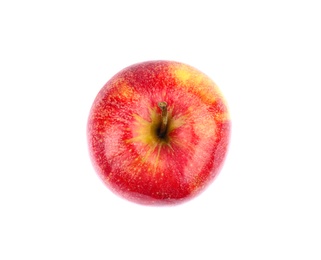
158,132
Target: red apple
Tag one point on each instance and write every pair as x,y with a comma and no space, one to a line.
158,132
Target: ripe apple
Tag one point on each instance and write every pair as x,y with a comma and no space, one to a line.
158,132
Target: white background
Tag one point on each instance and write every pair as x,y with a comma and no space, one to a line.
264,55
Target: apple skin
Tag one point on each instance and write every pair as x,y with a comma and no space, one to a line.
123,133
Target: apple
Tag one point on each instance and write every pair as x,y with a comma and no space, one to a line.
158,132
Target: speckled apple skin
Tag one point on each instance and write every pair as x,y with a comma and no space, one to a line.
128,156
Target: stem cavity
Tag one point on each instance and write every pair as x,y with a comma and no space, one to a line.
164,120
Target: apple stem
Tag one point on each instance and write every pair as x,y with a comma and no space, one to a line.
163,127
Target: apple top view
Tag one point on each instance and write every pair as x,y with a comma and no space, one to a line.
158,132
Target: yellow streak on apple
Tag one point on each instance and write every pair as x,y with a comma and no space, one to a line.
125,92
196,82
222,117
